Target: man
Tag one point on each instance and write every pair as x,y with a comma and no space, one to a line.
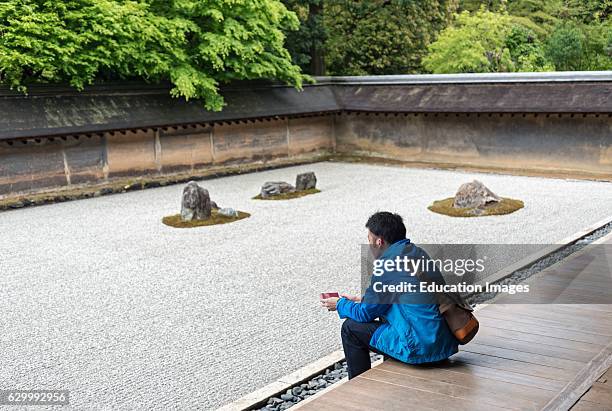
406,327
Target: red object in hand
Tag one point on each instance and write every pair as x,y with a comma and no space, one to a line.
325,296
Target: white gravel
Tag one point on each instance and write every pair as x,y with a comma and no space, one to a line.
98,297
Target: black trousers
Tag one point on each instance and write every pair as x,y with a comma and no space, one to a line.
356,343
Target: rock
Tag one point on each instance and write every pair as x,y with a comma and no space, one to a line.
296,390
286,397
228,212
214,205
305,181
152,184
474,195
273,188
196,203
274,401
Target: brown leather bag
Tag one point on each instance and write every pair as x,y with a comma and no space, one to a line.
461,321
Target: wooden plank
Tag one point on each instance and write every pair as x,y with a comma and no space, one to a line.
590,406
543,330
599,308
586,310
487,371
599,394
591,272
551,297
518,367
418,398
554,294
487,392
573,318
587,325
540,339
470,376
553,283
535,348
575,287
527,357
578,322
364,394
582,381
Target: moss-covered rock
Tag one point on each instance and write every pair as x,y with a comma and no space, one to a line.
505,206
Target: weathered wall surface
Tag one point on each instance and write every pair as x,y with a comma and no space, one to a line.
36,165
539,142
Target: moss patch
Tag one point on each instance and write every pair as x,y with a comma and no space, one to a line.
505,206
215,219
289,196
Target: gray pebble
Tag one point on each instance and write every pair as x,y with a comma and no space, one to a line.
286,397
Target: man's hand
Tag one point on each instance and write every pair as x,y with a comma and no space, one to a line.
329,303
353,298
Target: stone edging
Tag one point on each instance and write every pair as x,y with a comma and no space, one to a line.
260,396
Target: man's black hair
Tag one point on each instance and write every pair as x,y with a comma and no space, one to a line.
387,225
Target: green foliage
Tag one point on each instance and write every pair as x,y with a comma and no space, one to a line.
309,40
598,49
485,42
576,46
381,36
588,11
526,52
195,44
565,47
540,16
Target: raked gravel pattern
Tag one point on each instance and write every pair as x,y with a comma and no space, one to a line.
99,298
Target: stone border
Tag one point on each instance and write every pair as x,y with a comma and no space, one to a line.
260,396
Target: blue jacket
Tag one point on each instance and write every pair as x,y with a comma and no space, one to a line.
414,331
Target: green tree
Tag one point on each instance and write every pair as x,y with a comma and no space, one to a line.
576,34
306,45
381,36
526,51
565,47
540,16
598,48
578,46
194,44
485,42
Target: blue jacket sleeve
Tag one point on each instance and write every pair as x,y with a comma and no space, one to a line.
360,312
